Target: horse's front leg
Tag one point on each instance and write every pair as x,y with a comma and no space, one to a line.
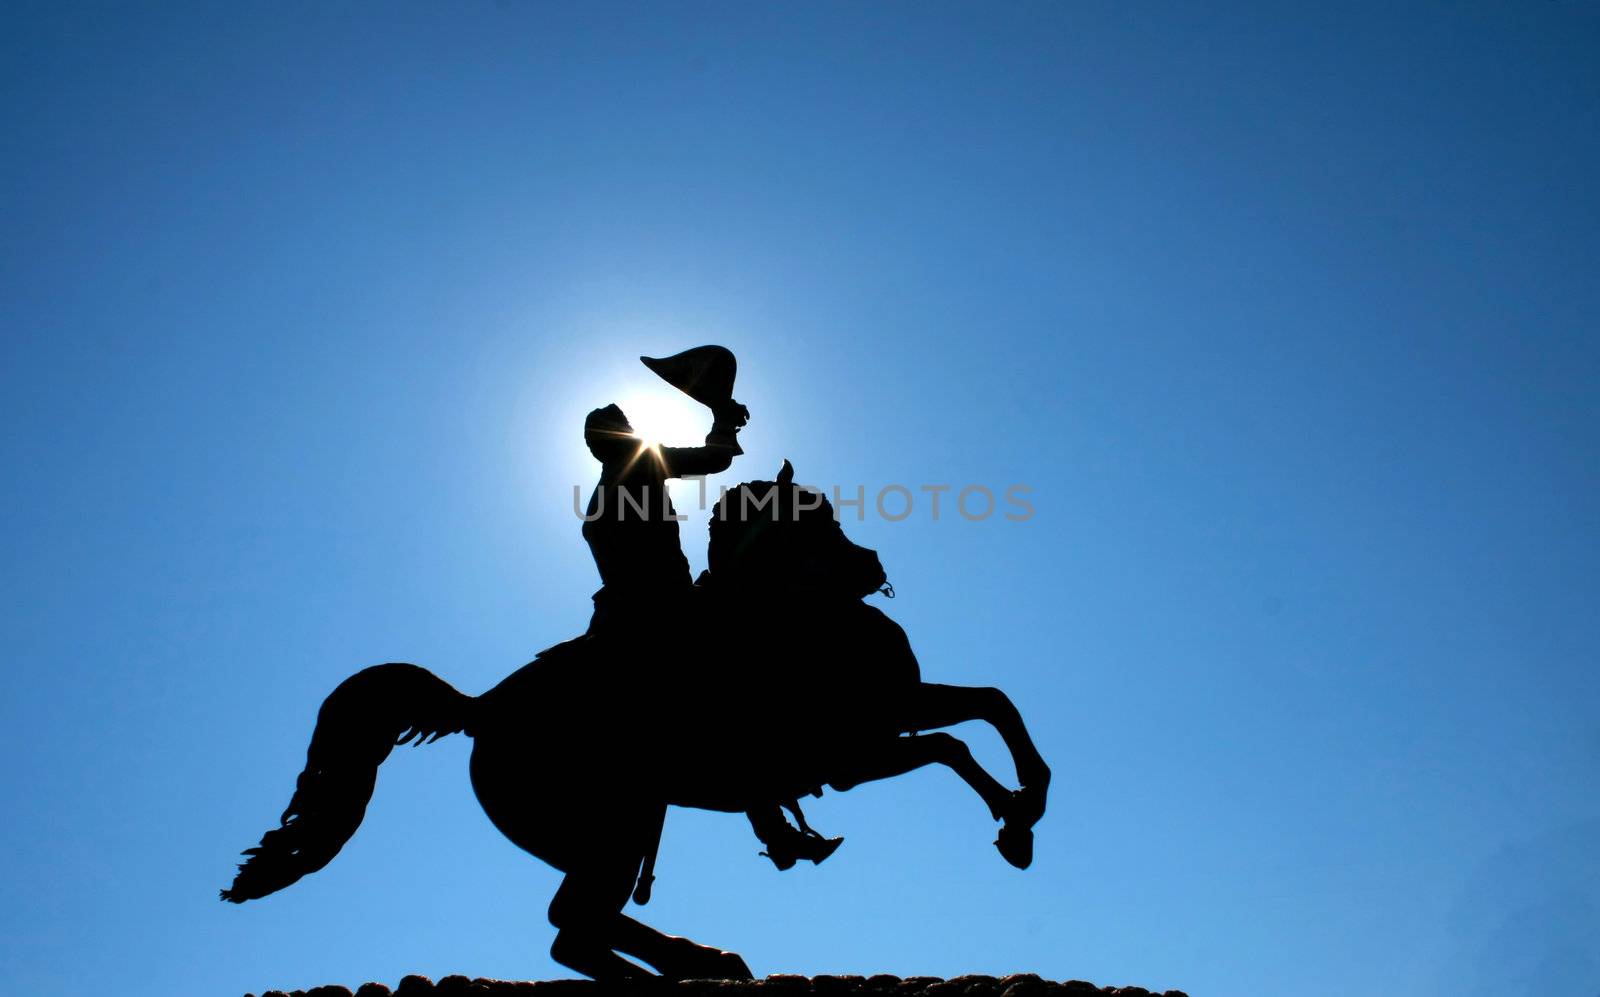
933,705
900,755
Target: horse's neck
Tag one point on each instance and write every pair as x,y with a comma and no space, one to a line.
778,606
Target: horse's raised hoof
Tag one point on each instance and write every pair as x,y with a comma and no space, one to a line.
1026,806
1016,845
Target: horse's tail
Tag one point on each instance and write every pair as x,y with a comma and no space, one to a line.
366,716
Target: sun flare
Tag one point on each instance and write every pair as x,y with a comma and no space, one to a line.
666,418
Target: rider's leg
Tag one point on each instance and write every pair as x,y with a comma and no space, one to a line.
785,844
793,806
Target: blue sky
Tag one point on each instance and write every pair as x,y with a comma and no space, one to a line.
1286,313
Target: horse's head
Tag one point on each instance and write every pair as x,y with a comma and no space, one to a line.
775,536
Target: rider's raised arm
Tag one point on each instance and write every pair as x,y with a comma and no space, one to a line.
722,445
715,456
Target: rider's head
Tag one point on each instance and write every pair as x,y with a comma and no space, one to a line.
609,435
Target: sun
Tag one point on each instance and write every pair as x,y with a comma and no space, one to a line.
666,418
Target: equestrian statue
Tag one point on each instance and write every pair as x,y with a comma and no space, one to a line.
764,680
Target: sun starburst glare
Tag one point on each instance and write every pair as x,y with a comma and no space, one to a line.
666,418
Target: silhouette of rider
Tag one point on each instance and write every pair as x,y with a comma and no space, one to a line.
630,525
632,531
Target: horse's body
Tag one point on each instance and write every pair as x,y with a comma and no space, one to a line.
791,686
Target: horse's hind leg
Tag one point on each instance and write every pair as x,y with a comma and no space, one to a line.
677,958
584,912
591,928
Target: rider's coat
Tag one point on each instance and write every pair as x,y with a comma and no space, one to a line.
632,528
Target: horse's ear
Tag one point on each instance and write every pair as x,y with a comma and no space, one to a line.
786,475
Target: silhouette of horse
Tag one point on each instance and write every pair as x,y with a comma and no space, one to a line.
782,681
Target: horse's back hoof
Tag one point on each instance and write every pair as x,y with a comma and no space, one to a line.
1016,845
690,961
733,967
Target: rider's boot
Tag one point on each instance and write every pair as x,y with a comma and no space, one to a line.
786,844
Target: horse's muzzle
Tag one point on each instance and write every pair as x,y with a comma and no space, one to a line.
870,574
